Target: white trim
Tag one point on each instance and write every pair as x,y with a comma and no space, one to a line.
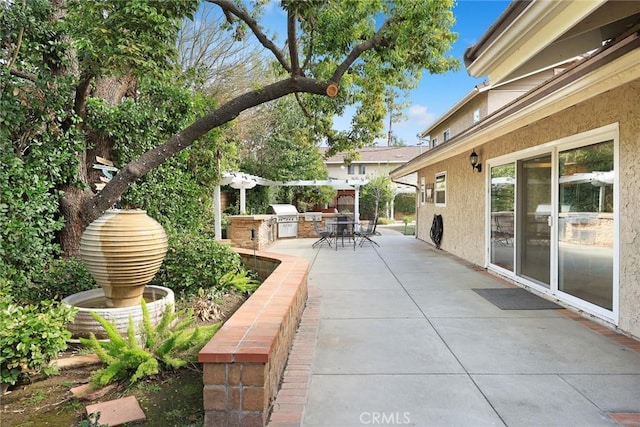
535,28
435,189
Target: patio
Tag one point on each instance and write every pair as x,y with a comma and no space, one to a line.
395,335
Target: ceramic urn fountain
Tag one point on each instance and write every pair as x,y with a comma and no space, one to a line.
123,250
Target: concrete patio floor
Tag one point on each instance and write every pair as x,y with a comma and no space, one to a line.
395,336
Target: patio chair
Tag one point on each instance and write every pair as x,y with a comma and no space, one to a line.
324,235
368,232
501,236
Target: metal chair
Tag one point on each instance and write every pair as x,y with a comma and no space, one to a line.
324,235
368,232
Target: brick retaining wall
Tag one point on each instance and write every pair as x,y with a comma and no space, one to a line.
244,362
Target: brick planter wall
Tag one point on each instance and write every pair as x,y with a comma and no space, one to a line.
244,362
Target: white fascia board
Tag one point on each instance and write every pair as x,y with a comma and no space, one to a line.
614,74
542,23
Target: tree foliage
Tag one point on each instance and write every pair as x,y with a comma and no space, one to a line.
375,195
286,150
71,62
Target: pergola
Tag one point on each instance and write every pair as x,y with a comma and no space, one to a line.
242,181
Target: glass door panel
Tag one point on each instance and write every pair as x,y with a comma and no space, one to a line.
502,220
534,230
585,233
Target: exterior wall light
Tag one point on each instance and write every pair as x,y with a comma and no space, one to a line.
473,159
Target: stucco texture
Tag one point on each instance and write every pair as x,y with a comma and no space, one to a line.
463,215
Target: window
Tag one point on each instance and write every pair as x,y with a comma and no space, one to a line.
441,189
423,191
447,135
361,170
351,170
476,115
434,141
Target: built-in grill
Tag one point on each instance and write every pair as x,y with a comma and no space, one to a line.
287,219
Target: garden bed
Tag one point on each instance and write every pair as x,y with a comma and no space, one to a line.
172,398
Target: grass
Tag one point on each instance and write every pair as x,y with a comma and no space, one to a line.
407,230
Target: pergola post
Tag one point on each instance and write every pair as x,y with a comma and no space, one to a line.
356,205
217,231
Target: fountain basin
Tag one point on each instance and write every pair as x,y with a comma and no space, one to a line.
158,298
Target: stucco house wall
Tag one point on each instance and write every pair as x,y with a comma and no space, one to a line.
463,216
462,119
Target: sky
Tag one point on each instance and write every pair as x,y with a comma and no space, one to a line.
436,94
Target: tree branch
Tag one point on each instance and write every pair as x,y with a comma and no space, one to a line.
357,51
82,92
293,45
242,14
137,168
302,107
23,75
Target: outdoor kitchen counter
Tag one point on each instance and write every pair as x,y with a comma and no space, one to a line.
266,228
240,226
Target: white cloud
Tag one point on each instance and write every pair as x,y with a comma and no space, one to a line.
419,115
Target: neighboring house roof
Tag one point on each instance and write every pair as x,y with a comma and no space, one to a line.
615,63
376,155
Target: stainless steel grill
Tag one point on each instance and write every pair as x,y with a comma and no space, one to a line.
287,219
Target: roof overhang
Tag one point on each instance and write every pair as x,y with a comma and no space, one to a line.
532,34
612,66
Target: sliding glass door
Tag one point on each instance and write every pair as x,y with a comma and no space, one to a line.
534,245
552,219
503,180
586,229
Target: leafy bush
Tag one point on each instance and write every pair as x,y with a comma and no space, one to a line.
170,345
60,278
197,261
385,221
405,203
31,336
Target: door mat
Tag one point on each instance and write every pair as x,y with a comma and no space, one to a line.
515,299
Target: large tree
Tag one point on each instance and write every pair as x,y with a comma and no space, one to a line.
340,52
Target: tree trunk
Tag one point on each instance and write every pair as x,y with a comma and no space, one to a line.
74,226
112,90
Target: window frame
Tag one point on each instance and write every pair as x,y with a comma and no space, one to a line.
437,189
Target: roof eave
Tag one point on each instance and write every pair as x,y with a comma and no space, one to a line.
522,32
589,78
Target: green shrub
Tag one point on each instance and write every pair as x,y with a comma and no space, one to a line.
197,261
405,203
169,345
384,220
30,336
61,277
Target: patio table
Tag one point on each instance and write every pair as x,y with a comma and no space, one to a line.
342,229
